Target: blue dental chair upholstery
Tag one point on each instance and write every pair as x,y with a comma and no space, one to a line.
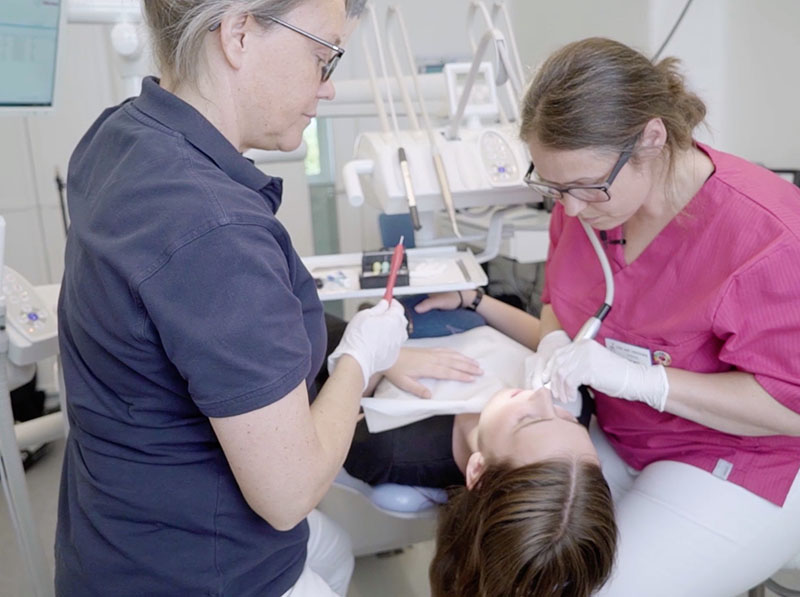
384,517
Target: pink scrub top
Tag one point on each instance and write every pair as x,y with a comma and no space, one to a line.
717,290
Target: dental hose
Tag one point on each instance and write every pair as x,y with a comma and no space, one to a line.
592,325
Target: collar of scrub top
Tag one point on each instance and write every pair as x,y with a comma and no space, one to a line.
177,115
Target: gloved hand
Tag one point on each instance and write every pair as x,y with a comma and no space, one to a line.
373,338
536,363
588,362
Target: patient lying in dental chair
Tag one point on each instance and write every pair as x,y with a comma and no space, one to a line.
529,512
408,440
536,516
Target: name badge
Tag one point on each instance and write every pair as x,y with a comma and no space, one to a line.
635,354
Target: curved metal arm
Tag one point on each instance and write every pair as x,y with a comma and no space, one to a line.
490,36
499,8
477,7
490,20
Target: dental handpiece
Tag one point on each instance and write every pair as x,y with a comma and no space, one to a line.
441,173
592,325
589,329
409,188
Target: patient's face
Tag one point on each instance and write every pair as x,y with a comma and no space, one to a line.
524,426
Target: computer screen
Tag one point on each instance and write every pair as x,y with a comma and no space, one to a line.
29,31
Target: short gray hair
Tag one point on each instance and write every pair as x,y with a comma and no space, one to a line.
178,27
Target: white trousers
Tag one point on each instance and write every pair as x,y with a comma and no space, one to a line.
330,562
685,533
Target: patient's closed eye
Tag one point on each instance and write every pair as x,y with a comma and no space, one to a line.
530,419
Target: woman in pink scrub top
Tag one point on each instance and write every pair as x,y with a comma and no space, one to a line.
696,369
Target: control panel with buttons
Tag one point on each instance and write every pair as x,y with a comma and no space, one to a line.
32,327
498,159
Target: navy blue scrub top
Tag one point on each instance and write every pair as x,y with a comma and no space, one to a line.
182,299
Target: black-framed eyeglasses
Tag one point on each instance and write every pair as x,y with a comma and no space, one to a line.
590,193
328,67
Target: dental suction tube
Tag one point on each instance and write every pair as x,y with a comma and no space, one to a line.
592,325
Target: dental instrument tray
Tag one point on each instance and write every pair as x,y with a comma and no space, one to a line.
428,270
375,269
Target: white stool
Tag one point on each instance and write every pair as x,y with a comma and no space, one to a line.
775,587
384,517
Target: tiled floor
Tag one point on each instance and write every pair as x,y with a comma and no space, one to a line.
401,575
404,574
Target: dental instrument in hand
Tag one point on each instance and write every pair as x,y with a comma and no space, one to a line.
397,260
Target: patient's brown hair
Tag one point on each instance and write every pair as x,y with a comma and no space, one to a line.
545,529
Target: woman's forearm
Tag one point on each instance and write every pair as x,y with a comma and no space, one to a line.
732,402
285,455
549,321
513,322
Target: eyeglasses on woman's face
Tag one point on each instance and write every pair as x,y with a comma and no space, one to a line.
329,66
590,193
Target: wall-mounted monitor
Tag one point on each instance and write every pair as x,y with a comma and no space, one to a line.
29,37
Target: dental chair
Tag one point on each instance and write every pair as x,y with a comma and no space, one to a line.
382,518
775,587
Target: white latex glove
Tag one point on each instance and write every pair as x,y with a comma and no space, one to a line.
536,363
373,338
588,362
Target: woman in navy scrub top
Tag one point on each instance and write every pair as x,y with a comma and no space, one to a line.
190,330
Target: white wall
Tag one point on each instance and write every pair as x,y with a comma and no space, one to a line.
32,147
740,56
542,27
762,88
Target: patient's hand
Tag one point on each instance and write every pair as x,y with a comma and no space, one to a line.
436,363
446,301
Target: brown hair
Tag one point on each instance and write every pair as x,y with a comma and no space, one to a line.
542,529
179,27
600,93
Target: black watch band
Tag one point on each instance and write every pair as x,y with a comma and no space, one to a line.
477,300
